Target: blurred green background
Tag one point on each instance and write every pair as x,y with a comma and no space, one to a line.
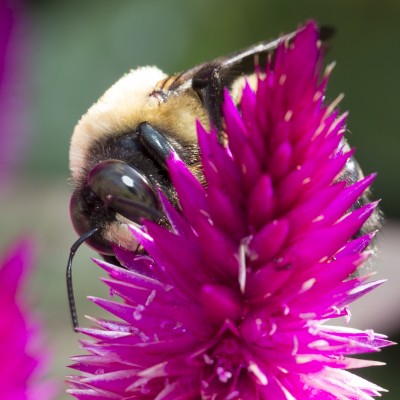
75,50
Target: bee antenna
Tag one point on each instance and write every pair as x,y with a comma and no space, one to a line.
70,289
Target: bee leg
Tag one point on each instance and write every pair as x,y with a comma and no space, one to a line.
155,143
112,260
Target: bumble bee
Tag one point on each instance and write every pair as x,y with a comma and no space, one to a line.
119,148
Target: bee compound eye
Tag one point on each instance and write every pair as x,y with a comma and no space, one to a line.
124,189
82,225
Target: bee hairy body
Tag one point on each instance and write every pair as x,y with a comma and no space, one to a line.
109,131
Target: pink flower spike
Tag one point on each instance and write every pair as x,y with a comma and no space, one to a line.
23,361
228,299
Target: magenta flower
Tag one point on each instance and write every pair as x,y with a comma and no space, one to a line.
21,346
13,137
232,302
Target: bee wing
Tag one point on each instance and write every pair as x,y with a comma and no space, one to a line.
208,80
